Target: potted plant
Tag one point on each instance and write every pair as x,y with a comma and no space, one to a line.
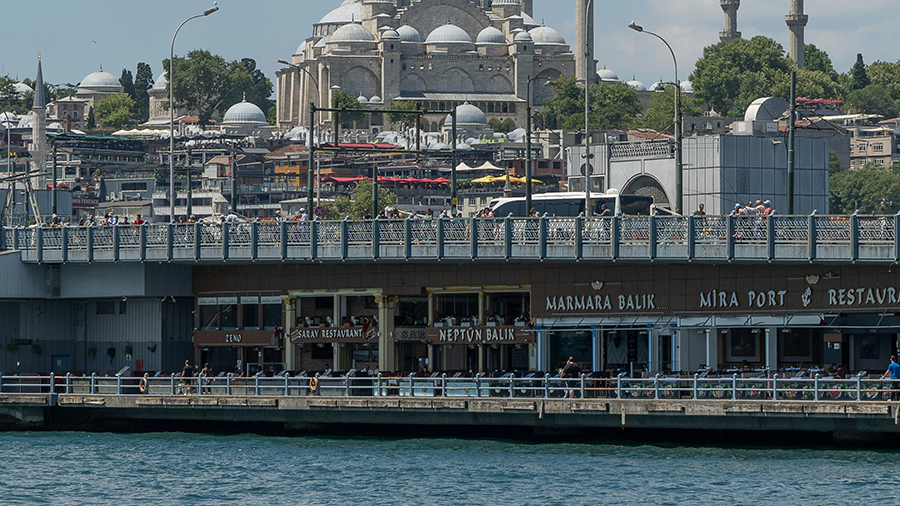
92,352
128,349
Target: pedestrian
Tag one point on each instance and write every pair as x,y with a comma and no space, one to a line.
700,211
894,371
186,374
205,373
571,370
768,211
605,211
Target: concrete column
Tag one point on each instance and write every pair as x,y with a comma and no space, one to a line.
597,346
682,340
387,349
288,323
712,348
653,355
771,340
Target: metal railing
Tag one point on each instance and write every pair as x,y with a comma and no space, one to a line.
635,238
510,385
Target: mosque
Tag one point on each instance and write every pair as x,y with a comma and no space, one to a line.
438,53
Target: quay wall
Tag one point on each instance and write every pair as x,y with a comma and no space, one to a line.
840,420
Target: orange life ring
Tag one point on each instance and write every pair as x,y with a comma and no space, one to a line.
313,384
142,385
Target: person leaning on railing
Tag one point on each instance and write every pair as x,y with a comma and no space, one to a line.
893,371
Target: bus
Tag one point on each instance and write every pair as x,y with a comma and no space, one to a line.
572,204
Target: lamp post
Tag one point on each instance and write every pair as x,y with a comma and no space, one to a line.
529,164
588,170
679,168
172,195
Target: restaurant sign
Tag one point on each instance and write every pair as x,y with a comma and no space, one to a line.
488,335
335,334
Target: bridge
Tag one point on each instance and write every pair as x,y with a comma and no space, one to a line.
804,239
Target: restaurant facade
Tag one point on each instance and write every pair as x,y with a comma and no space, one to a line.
469,317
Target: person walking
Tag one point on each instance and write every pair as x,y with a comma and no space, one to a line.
186,375
893,371
571,370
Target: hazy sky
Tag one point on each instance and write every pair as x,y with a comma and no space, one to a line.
77,36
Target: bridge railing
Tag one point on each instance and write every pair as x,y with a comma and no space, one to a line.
660,387
717,238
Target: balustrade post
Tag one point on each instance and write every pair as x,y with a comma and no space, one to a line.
68,382
142,242
254,240
64,244
226,229
287,384
543,221
1,382
816,386
734,387
854,236
579,237
256,384
730,232
812,238
775,387
314,239
283,239
444,385
345,238
615,236
619,385
93,383
412,386
897,237
117,239
656,386
652,249
473,237
583,384
441,222
39,243
15,235
376,237
546,385
692,236
696,389
52,383
512,391
508,236
198,240
118,384
770,237
318,390
347,383
228,384
377,392
858,388
408,237
170,241
478,385
2,238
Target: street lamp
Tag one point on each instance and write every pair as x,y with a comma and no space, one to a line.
309,135
529,165
172,195
679,168
588,170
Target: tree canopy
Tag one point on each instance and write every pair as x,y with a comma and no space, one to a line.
613,105
401,117
115,111
660,115
356,206
873,99
871,190
343,100
143,81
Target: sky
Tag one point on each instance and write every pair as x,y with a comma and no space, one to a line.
77,37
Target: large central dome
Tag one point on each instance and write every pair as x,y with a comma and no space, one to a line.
100,79
448,34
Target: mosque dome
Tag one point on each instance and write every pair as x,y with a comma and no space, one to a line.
687,86
362,99
22,88
9,117
348,12
448,34
390,34
607,76
409,34
352,32
244,112
490,35
524,36
376,100
162,82
468,114
546,35
637,85
657,86
101,80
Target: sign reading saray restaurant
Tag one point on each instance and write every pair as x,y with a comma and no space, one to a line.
335,334
505,334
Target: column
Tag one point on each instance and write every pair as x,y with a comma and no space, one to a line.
288,305
337,348
772,348
597,346
653,356
387,350
712,348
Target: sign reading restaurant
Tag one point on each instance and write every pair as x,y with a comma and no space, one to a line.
339,334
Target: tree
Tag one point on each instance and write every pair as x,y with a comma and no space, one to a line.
873,99
886,74
115,111
201,83
612,105
834,163
660,115
343,100
356,206
91,120
815,59
859,78
127,82
869,190
143,81
400,117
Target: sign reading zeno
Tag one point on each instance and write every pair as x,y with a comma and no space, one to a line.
233,338
720,299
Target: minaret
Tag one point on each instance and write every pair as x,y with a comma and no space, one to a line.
730,32
38,148
796,22
582,36
528,7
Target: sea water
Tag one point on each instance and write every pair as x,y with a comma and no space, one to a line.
180,468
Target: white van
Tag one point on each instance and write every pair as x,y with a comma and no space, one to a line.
572,204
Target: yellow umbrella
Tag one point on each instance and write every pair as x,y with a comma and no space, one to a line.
521,180
489,179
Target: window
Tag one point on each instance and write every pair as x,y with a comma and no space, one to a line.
458,305
324,302
228,309
271,315
878,146
250,312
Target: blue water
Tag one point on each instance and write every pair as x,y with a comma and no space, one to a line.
175,469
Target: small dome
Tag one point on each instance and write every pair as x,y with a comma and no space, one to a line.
687,86
348,12
440,146
524,36
22,88
244,112
637,85
376,100
546,35
101,80
448,34
463,147
490,35
8,117
607,76
162,82
468,114
362,100
390,34
352,32
409,34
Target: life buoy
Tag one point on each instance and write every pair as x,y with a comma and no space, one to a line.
142,386
313,384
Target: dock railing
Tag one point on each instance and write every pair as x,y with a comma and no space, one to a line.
855,238
510,385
